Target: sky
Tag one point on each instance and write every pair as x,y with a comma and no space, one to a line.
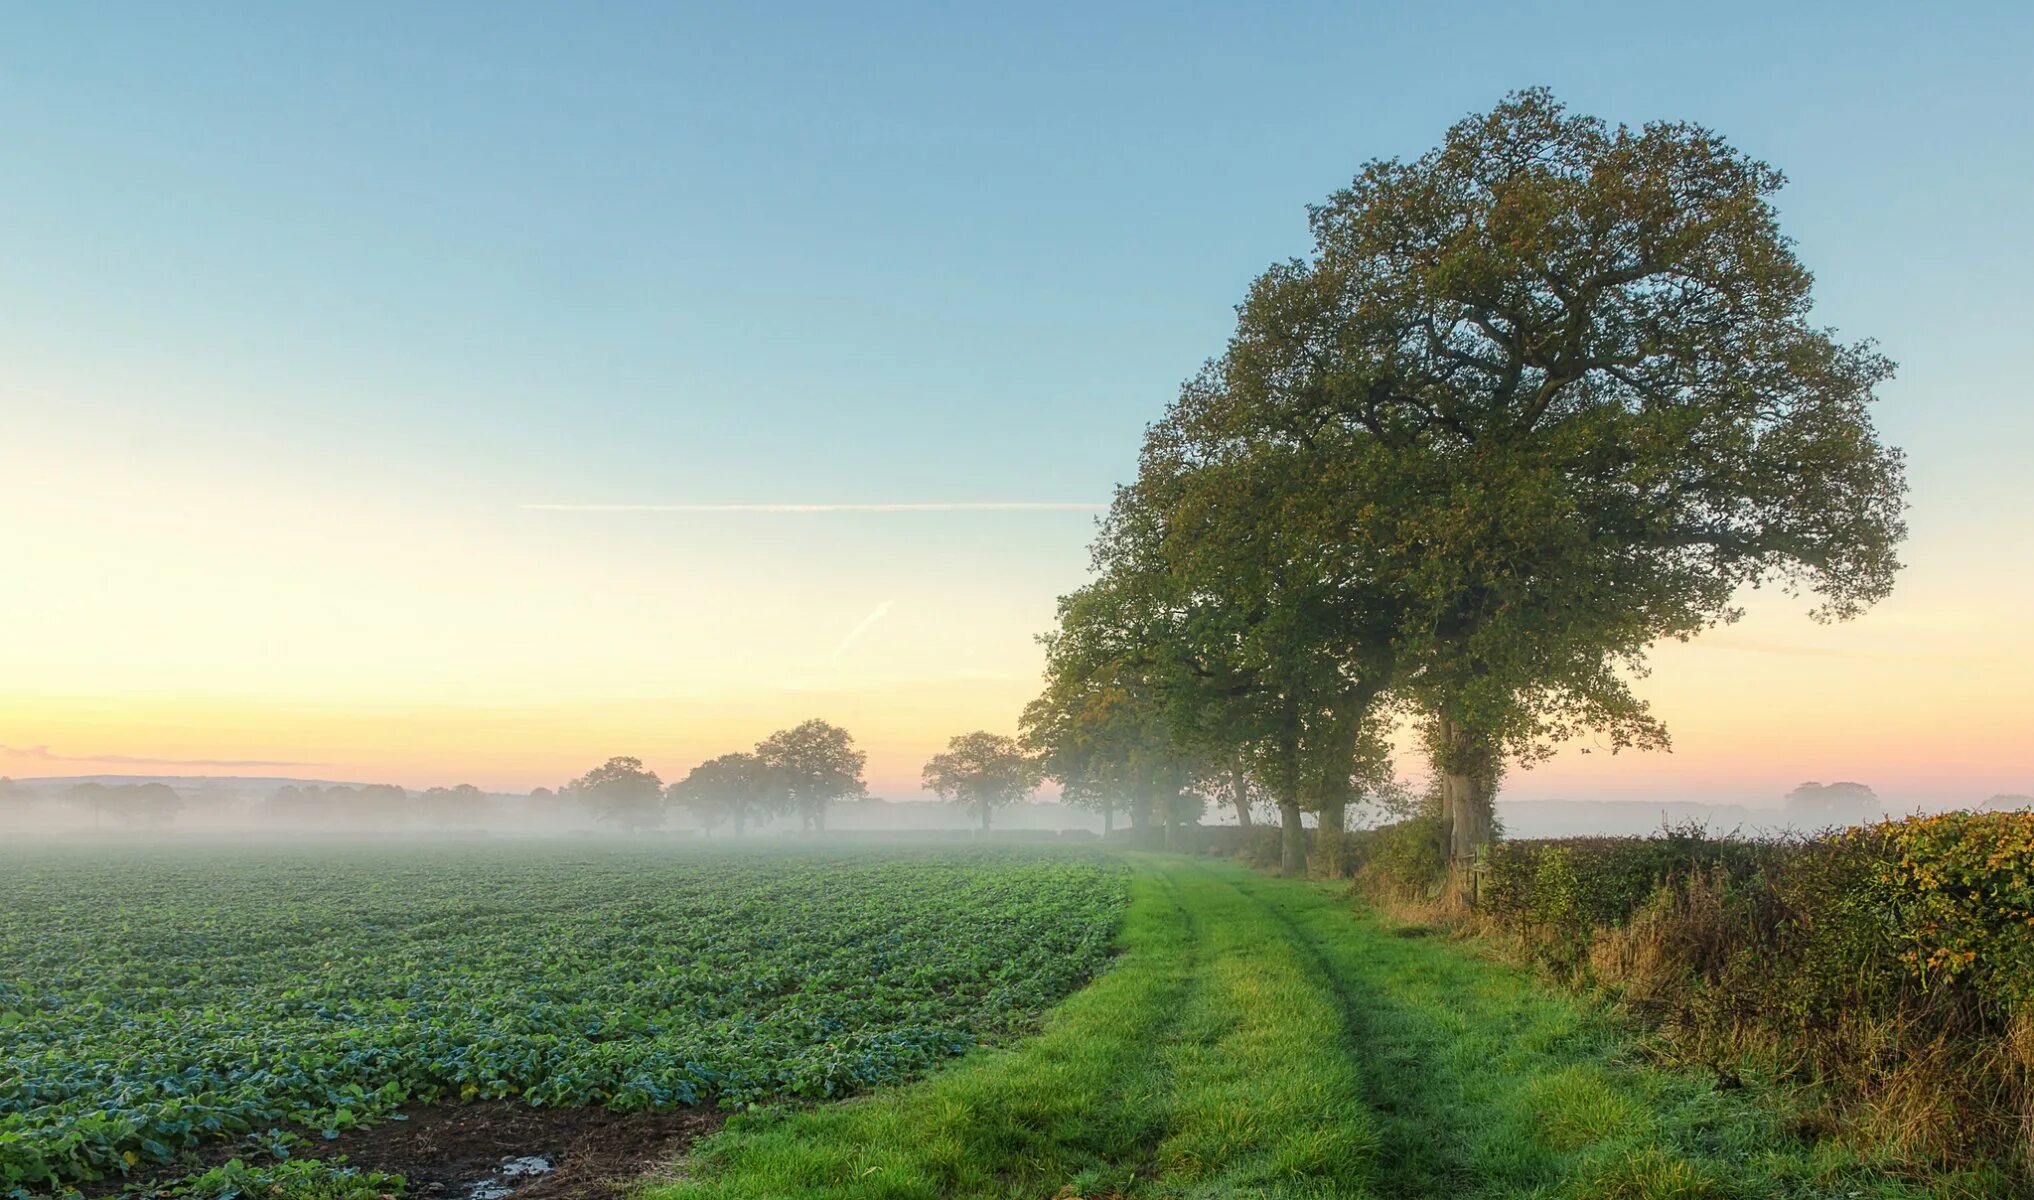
467,393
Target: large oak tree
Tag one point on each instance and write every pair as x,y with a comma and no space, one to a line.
1563,381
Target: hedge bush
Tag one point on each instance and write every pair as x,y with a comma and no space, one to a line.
1891,966
1406,859
1558,891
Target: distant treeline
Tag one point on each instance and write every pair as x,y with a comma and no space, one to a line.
791,780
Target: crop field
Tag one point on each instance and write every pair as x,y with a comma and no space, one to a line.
156,1005
355,1024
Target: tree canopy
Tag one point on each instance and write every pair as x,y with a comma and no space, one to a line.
1539,398
620,791
739,788
982,772
817,765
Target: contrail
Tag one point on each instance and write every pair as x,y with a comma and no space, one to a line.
867,623
904,507
44,754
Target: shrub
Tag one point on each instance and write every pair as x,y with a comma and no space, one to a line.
1405,860
1891,965
1956,894
1260,848
1558,892
1337,854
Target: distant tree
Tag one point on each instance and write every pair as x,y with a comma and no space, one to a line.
382,805
215,804
288,804
1234,786
542,794
817,764
1843,800
982,772
737,788
2007,802
1269,652
1086,728
147,804
622,793
455,807
18,803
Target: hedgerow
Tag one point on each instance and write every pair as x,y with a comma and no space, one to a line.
1889,967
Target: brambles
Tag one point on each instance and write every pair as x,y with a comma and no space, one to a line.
152,1003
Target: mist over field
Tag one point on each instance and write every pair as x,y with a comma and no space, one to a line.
172,807
136,807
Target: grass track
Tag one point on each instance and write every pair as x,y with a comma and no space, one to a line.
1260,1037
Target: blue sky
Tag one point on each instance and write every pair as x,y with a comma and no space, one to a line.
410,268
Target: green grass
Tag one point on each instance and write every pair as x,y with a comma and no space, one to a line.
1259,1037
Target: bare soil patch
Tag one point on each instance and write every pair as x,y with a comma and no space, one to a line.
473,1149
491,1150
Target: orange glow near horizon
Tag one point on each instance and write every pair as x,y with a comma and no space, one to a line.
185,613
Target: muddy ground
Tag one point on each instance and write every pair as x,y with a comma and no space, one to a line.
492,1150
468,1150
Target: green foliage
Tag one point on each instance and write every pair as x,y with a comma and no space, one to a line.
621,791
1540,397
1892,964
1560,890
1103,726
294,1179
1408,856
982,772
152,1003
817,765
737,788
1956,893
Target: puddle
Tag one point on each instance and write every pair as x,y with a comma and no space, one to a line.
509,1176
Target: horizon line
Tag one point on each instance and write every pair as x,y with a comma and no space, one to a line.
872,507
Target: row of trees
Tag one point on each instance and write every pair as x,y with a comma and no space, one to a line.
1539,398
800,771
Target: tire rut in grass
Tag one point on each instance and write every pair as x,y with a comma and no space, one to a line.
1261,1109
1420,1143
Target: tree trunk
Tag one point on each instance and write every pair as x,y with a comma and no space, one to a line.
1467,765
1328,838
1239,791
1140,811
1292,845
1171,803
985,816
1108,820
1469,824
1292,842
